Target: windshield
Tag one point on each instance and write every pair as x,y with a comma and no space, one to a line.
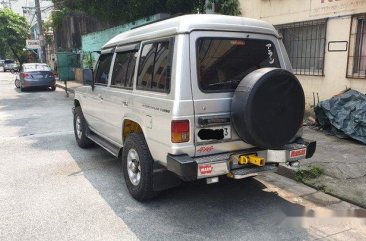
36,67
223,62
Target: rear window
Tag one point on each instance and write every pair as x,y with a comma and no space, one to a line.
223,62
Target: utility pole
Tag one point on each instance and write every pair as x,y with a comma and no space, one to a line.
40,29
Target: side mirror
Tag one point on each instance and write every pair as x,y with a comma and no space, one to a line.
88,77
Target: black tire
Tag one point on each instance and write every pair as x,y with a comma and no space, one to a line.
17,83
53,88
268,107
22,89
81,138
144,189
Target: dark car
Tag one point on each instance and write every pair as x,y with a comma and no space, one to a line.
10,65
36,75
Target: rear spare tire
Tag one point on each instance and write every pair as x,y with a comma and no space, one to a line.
268,107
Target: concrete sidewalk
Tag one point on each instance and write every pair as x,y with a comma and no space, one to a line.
338,167
71,85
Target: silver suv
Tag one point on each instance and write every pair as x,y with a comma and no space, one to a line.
193,97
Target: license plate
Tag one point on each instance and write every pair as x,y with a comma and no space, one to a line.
298,153
226,131
38,76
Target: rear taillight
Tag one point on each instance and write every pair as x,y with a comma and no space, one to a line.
52,75
25,75
180,131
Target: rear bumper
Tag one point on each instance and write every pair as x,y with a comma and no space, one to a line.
38,83
191,168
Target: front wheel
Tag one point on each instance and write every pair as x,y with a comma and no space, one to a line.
137,165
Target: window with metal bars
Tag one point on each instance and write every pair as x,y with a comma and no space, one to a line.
356,66
305,45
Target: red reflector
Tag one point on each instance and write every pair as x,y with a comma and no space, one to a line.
25,75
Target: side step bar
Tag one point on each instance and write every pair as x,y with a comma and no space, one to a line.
114,150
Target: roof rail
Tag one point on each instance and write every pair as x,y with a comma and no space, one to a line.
159,20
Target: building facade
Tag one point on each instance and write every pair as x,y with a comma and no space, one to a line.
325,40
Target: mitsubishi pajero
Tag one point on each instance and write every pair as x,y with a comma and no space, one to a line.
193,97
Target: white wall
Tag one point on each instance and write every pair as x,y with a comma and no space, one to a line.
338,29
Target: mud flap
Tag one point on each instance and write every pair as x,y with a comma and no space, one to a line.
164,179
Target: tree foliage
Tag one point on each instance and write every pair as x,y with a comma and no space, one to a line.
119,11
13,33
227,7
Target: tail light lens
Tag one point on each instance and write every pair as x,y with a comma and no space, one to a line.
25,75
180,131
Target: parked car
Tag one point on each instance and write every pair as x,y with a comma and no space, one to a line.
36,75
193,97
11,65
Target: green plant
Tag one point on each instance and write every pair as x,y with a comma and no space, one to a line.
88,60
312,173
227,7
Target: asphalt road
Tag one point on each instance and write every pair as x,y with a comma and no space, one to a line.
50,189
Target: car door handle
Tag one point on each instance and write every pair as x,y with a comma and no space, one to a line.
125,103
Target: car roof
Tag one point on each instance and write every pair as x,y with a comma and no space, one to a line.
188,23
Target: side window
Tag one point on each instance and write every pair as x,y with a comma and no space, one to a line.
123,69
155,67
102,73
162,68
146,66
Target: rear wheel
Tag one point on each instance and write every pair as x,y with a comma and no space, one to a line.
81,129
137,165
17,83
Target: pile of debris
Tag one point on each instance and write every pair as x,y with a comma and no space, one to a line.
344,115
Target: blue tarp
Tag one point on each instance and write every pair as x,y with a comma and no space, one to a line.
344,115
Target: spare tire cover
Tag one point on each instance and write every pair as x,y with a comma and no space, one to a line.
268,107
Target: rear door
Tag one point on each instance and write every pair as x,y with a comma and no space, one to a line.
219,61
119,97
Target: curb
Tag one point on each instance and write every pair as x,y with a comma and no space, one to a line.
286,171
290,173
63,87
